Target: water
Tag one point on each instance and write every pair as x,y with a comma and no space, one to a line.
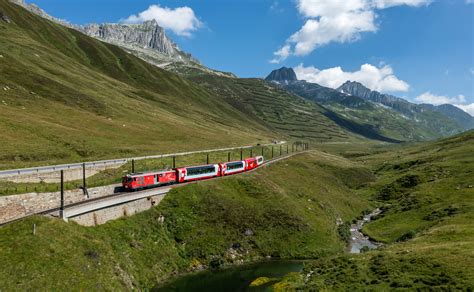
233,279
358,239
239,278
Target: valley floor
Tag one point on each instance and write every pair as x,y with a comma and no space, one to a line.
291,209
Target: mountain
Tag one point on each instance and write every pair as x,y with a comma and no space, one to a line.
459,116
282,75
389,116
147,41
33,8
286,113
148,35
65,96
359,90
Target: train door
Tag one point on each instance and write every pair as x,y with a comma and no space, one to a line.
140,181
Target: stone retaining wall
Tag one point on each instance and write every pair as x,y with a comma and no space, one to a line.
17,206
128,209
55,176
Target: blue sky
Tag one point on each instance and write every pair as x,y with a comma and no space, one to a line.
419,49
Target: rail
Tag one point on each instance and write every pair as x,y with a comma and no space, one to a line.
112,198
78,165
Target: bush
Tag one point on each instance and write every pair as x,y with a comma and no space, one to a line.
407,236
344,231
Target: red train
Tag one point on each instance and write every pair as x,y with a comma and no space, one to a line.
137,181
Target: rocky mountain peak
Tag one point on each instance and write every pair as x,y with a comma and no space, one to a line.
355,88
283,74
146,35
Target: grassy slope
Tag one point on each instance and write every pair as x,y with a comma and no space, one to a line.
428,193
394,125
373,117
291,208
277,108
65,96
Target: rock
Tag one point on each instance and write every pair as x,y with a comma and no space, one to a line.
161,219
18,2
248,232
147,35
261,281
283,74
4,17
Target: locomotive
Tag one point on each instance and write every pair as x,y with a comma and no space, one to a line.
138,181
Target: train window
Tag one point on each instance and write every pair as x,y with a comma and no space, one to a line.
129,179
234,165
260,159
201,170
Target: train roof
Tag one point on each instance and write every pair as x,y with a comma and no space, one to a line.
149,173
203,165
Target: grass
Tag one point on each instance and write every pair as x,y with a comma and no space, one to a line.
379,122
277,109
286,210
427,194
114,175
66,97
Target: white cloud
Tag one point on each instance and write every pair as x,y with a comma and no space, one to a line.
376,78
336,21
382,4
281,54
428,97
468,108
180,20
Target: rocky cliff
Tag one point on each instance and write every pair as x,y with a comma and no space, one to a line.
147,41
147,35
283,74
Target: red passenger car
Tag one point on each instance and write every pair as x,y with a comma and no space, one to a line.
252,163
136,181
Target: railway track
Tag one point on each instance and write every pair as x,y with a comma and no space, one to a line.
101,202
111,162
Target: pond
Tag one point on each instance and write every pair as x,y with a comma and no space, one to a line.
234,278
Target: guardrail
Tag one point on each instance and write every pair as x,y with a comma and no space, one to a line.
53,168
112,199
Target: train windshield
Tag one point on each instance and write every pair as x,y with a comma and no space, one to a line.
201,170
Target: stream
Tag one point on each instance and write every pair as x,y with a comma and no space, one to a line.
238,278
358,239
